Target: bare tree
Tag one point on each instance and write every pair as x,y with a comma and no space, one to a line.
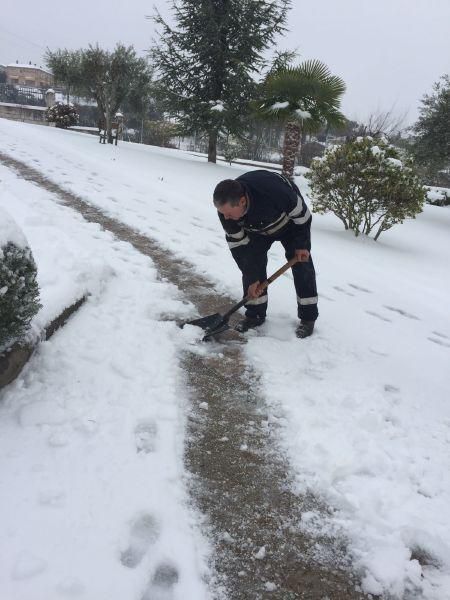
382,123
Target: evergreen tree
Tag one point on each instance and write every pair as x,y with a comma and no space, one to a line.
432,144
206,63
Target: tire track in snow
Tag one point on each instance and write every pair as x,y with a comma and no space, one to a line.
244,490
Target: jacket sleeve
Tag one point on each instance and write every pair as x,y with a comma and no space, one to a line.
291,201
242,248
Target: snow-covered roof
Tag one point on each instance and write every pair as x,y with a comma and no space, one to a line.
28,66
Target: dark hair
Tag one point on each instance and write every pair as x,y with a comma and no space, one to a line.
228,191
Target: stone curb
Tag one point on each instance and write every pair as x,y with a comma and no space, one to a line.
13,361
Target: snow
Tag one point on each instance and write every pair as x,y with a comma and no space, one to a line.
10,231
28,66
303,114
219,107
91,434
437,193
362,405
31,107
279,105
395,162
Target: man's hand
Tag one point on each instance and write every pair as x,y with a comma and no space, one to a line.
254,290
302,255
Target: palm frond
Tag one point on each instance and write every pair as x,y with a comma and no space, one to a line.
310,87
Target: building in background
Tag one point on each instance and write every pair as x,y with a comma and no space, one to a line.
28,75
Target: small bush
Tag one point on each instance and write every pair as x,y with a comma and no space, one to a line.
231,151
160,133
64,115
19,293
366,185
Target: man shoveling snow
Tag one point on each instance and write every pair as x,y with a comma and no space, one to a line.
257,209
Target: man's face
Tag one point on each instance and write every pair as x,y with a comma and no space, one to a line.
234,212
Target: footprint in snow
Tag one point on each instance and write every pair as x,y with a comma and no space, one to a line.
374,314
402,312
442,335
162,583
52,498
28,565
359,288
145,435
325,297
143,533
339,289
391,388
440,342
70,587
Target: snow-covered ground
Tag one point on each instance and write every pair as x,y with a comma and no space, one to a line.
91,434
363,403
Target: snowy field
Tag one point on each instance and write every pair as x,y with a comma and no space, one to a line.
364,403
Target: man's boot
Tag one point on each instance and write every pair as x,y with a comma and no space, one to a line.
305,329
249,323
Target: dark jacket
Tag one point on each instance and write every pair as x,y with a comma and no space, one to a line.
276,209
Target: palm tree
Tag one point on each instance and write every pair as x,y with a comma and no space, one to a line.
303,98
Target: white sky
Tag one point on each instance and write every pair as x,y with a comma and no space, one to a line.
389,52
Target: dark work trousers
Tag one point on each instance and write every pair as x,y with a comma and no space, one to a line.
304,279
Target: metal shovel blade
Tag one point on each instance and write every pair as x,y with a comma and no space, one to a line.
212,332
212,324
207,323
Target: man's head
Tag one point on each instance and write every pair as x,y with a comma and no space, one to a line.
230,199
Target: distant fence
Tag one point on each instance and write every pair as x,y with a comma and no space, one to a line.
17,94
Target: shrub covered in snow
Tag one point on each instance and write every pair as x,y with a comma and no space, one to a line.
19,292
64,115
366,185
438,196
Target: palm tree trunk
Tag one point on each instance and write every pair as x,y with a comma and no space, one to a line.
212,146
292,135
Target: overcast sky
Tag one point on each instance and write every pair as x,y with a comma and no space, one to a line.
389,52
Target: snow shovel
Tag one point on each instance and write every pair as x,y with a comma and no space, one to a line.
217,323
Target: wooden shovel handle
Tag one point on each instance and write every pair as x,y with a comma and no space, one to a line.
280,271
264,284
